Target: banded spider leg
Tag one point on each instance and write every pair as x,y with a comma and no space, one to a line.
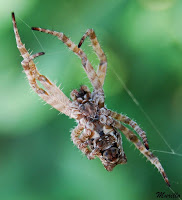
101,71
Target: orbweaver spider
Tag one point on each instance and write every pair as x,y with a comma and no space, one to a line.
97,133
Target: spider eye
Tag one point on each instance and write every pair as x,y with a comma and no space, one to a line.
111,154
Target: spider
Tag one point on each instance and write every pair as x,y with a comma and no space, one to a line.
97,133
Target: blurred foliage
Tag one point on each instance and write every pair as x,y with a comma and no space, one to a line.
143,42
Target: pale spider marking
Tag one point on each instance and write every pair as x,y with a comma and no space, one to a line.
97,133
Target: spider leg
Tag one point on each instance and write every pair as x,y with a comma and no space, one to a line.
79,52
123,159
133,124
101,71
134,139
75,137
85,136
53,96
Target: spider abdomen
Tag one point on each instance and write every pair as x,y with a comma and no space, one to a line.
108,144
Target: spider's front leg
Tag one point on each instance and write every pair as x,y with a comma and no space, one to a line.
53,96
101,71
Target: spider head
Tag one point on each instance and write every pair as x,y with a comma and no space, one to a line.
82,95
84,102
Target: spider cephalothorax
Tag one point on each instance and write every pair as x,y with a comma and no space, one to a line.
97,133
84,101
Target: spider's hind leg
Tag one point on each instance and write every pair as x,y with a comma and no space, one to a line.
148,154
101,71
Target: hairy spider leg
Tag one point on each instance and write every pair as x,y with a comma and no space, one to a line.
85,136
131,123
53,96
134,139
101,71
123,156
79,52
75,137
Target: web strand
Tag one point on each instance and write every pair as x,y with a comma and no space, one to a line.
167,152
33,33
174,192
178,147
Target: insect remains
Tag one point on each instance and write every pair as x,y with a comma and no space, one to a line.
97,133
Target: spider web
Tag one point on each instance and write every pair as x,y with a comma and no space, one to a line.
171,150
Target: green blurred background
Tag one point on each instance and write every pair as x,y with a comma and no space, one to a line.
143,42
